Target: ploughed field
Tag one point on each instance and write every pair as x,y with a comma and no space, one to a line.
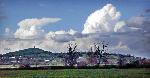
77,73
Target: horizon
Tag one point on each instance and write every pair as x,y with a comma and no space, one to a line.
51,25
75,51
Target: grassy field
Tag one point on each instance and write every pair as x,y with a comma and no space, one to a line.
77,73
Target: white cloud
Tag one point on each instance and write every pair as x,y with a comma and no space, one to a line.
8,33
121,48
136,21
7,30
103,20
62,36
37,22
118,26
14,45
31,28
139,23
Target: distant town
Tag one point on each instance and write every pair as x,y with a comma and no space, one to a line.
36,57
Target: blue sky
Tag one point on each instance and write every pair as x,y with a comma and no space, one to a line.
130,34
72,12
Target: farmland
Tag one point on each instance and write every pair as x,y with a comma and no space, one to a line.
77,73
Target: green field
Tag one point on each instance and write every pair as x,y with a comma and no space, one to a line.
77,73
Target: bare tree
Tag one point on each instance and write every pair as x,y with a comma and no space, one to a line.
71,60
99,52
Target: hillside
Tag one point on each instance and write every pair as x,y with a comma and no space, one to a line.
30,52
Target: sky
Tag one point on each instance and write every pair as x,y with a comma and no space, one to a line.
52,24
